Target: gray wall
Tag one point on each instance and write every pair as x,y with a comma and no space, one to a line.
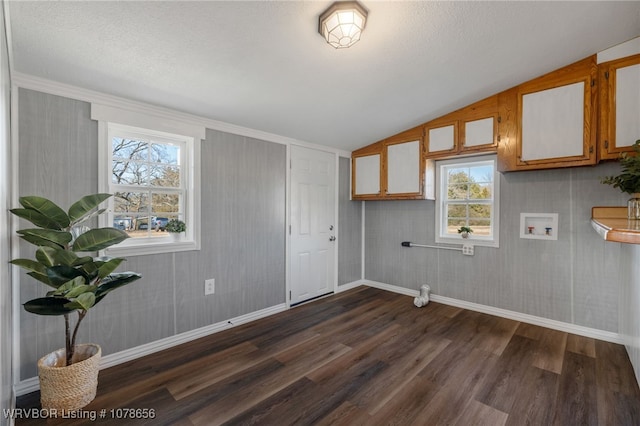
574,279
630,301
58,159
6,340
350,227
243,234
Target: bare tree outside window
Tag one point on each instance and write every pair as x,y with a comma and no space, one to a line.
146,176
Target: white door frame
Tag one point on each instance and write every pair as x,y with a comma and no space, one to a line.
338,154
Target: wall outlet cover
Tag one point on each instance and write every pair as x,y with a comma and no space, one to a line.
209,286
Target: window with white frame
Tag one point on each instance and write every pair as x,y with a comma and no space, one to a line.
153,176
468,195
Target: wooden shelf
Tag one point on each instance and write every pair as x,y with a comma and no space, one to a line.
612,225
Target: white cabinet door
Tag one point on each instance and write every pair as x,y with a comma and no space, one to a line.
478,132
403,168
441,139
627,106
367,175
553,123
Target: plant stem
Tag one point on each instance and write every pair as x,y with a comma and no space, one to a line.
81,315
68,349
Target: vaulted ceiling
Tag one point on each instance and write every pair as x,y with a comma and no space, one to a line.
262,64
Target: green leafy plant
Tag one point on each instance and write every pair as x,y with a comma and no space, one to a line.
465,229
175,226
629,180
78,282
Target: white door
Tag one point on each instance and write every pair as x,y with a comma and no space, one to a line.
312,243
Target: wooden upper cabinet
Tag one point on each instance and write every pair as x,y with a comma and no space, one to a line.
619,105
441,137
366,172
548,122
556,119
470,129
390,169
403,165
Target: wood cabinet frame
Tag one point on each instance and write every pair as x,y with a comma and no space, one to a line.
437,124
584,71
374,149
607,73
506,110
380,148
478,148
486,108
411,135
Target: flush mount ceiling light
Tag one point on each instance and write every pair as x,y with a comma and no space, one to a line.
342,23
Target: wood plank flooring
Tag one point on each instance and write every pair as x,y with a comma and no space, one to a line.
370,357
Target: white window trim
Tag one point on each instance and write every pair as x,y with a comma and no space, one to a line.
160,126
495,211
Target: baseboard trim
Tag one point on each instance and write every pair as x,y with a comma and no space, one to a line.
32,384
392,288
348,286
580,330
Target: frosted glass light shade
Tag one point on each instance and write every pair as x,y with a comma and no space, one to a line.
342,24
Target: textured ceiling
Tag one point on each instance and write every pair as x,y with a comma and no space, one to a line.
263,65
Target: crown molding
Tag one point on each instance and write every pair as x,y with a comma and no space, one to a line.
27,81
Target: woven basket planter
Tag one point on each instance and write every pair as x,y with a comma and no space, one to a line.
70,387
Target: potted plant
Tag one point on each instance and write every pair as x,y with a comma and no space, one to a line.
175,227
464,231
77,282
629,180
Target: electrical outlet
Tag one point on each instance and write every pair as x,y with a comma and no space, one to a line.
209,286
467,249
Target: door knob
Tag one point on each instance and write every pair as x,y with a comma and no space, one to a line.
332,238
330,227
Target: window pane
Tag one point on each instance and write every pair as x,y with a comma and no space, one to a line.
165,153
458,191
129,173
131,202
480,191
481,227
482,173
480,211
454,224
141,226
458,174
123,222
457,210
130,149
136,226
165,203
165,176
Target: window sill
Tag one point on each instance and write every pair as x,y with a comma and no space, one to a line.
152,248
470,240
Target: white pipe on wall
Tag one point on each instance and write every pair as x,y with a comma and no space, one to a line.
409,244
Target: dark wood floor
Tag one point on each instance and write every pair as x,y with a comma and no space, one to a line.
370,357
